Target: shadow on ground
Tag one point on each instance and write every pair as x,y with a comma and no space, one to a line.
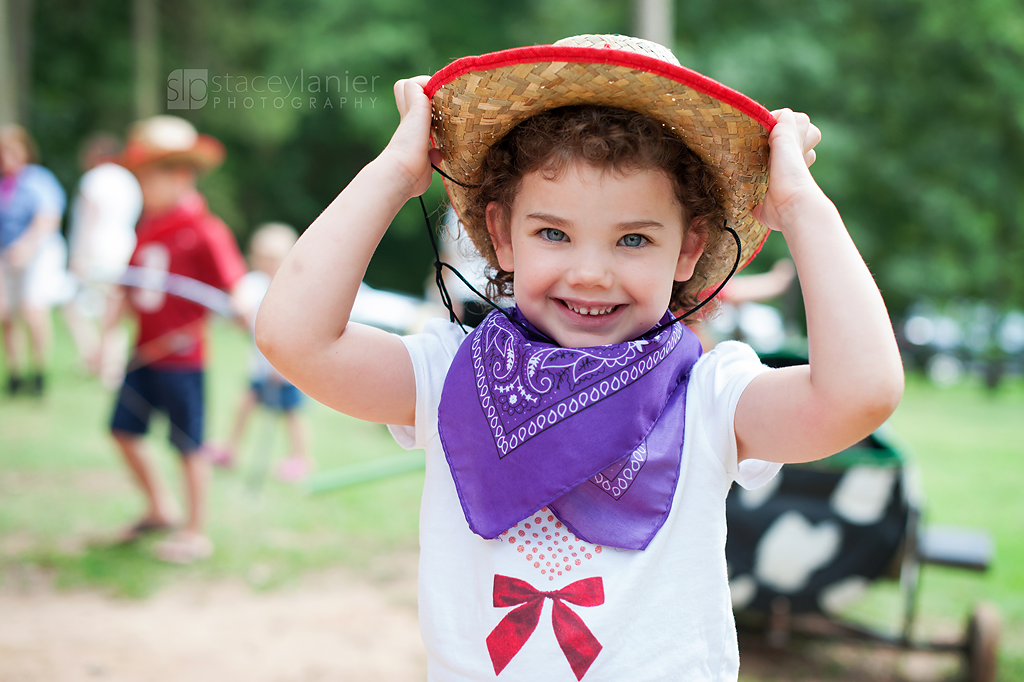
809,660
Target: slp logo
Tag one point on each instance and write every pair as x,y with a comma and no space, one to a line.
187,88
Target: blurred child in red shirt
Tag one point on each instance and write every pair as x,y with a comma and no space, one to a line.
177,235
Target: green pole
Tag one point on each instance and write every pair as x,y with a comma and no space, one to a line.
364,472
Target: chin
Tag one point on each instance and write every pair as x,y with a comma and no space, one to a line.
587,339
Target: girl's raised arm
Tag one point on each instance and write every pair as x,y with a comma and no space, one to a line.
303,324
855,377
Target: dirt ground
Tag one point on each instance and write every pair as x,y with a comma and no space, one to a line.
819,661
333,626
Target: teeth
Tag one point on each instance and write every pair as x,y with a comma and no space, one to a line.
591,311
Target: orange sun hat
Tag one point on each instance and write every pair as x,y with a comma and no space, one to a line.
170,139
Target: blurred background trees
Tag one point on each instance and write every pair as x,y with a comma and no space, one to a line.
921,104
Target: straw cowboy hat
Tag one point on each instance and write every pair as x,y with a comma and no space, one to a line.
477,100
170,139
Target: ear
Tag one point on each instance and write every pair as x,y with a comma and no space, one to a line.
501,237
689,253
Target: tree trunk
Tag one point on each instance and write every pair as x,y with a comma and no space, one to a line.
146,44
8,89
15,60
654,20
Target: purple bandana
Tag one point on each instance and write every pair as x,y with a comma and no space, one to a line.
595,434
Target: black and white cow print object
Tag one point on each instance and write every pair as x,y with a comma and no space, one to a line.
816,534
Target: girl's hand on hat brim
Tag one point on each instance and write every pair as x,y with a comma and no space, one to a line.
792,143
409,149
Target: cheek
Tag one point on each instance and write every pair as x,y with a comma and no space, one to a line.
539,268
150,191
528,277
652,284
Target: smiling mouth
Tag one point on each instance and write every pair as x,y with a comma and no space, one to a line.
596,310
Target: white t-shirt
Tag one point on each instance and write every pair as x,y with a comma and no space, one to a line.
666,613
112,196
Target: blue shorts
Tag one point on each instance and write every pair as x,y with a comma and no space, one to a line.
178,394
282,397
276,395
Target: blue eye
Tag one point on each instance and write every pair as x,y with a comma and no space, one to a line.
553,235
633,240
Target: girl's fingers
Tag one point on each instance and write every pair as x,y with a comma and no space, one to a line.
799,128
812,137
405,91
756,212
400,97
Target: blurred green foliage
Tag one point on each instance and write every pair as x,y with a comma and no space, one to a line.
921,104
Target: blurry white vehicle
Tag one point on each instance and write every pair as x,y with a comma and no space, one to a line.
390,311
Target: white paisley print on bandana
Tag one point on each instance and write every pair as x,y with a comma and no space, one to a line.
525,389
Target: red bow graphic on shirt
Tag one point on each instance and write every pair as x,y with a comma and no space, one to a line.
578,643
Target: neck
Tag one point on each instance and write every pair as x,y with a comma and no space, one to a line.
12,172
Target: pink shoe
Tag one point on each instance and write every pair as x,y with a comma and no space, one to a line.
220,456
293,469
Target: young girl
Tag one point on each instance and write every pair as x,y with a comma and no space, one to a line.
579,447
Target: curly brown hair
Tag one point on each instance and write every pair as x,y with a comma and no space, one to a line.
604,137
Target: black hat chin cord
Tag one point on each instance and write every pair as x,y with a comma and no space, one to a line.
446,298
718,290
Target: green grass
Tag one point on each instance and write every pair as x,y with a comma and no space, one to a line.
63,488
62,484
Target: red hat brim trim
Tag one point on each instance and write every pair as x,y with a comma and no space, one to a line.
594,55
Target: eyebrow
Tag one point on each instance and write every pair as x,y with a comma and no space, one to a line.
623,227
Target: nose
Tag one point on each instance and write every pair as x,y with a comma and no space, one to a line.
590,269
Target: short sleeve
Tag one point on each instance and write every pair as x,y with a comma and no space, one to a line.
718,380
49,195
432,352
228,265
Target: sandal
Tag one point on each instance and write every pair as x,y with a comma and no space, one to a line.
183,548
141,528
